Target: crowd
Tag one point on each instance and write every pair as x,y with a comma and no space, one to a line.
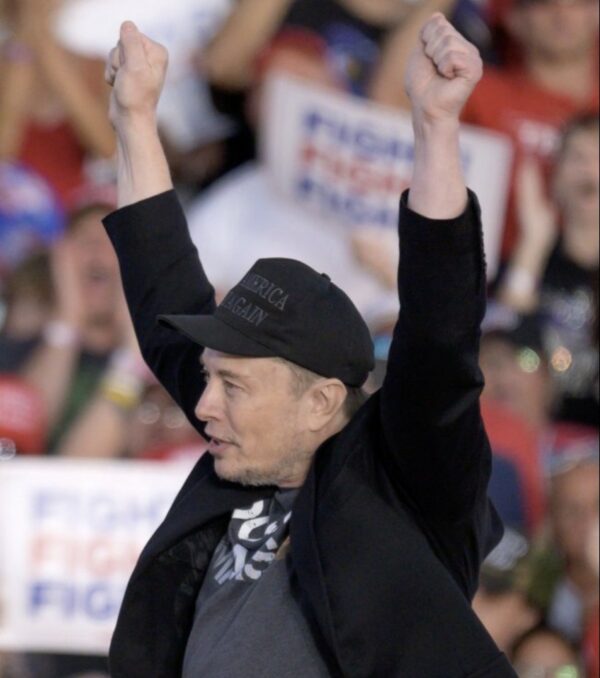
72,381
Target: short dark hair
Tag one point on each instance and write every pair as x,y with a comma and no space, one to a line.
356,396
75,218
584,122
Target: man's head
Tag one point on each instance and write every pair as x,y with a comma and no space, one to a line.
545,652
577,173
517,374
574,497
286,354
554,31
96,265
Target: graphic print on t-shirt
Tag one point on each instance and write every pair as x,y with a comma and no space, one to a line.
253,538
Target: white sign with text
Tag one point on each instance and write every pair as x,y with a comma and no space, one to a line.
348,159
70,534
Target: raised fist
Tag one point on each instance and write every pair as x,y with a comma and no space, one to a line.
442,71
136,70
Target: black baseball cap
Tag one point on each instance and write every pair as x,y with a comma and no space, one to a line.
283,308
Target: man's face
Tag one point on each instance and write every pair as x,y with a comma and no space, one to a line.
556,30
516,379
256,423
97,267
577,176
575,496
544,655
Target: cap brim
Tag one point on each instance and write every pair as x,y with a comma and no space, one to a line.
211,332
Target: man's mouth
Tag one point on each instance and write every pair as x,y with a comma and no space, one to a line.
217,445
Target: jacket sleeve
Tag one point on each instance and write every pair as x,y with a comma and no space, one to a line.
161,273
436,448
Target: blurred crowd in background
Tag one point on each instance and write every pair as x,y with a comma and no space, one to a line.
72,383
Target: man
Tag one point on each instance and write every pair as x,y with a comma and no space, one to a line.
554,271
556,79
316,539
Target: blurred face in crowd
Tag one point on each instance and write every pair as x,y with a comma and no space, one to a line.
516,378
577,177
96,265
29,297
263,430
377,12
574,496
506,616
555,30
288,60
546,654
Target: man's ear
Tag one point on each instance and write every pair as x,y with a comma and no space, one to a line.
326,399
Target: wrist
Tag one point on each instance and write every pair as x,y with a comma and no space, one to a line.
521,281
427,126
135,127
531,254
61,334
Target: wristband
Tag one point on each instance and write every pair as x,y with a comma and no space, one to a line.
60,334
122,389
125,379
521,282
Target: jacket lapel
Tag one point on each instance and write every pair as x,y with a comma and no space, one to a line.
202,499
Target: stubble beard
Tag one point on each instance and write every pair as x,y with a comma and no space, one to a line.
292,468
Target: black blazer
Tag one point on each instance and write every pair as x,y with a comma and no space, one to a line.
390,528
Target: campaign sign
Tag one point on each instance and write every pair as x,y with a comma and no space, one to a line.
348,159
70,534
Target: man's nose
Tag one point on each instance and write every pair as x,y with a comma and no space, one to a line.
208,407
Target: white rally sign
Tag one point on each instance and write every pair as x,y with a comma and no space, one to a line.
70,534
348,159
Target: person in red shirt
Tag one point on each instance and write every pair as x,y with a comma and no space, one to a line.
555,78
52,103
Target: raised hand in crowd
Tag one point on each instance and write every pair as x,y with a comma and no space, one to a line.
101,429
387,83
377,252
538,229
230,58
86,285
46,85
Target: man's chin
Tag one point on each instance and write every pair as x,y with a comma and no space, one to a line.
248,477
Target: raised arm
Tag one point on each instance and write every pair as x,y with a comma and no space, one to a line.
34,57
441,74
436,443
136,69
160,268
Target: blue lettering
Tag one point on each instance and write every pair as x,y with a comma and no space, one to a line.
97,600
52,594
48,505
353,208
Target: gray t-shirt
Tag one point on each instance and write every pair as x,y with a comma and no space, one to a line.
247,623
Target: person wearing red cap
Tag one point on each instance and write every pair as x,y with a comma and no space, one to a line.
321,535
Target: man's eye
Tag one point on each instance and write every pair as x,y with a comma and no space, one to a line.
205,374
230,387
